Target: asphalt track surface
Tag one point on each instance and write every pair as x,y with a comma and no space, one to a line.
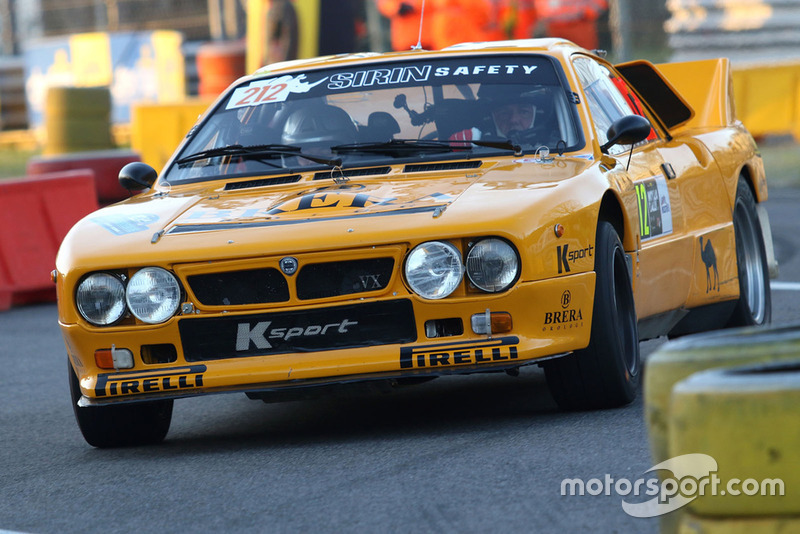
482,453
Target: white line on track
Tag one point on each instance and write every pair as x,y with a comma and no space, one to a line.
785,286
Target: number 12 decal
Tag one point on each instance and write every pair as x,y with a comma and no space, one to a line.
655,209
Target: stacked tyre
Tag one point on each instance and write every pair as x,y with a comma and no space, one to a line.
735,396
77,119
748,420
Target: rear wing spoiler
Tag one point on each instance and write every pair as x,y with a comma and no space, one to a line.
692,94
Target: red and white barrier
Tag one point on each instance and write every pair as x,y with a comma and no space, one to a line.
35,215
104,163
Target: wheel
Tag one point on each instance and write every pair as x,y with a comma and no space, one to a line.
755,301
606,373
142,423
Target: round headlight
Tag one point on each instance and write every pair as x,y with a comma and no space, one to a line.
153,295
101,299
492,265
434,269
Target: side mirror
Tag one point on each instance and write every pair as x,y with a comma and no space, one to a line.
137,176
627,130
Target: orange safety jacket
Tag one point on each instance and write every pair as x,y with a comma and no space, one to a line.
460,21
568,10
405,28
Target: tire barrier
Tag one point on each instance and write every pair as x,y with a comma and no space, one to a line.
746,419
219,64
692,524
13,112
77,119
35,215
677,360
105,164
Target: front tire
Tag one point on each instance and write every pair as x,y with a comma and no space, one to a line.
606,373
144,423
754,307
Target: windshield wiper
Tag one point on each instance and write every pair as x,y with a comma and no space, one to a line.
405,146
394,147
257,152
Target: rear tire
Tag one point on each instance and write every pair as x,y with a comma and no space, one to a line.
606,373
754,307
124,425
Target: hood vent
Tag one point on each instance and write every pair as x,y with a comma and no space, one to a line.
262,182
350,173
453,166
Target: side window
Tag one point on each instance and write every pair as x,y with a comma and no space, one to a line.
605,98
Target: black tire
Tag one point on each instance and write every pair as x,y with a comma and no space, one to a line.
606,373
754,307
143,423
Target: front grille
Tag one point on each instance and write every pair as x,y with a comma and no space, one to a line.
254,286
339,327
331,279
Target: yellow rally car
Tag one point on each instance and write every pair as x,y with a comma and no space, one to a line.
378,219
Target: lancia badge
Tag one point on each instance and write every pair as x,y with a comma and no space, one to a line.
288,265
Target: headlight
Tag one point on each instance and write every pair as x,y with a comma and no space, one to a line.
492,265
101,299
153,295
434,269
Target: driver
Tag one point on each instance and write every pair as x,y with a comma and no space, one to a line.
514,116
510,111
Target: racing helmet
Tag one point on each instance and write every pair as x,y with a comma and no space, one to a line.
320,124
496,94
494,97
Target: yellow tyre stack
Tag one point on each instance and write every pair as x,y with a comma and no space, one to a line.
680,359
695,525
77,119
735,396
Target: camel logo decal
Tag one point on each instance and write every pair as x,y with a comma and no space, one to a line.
710,259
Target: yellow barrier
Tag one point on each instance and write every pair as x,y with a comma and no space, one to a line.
158,129
768,98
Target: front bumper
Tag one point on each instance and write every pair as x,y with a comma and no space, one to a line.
550,318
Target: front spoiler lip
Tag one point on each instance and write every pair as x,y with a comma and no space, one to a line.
86,402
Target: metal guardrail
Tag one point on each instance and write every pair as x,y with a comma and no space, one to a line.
745,31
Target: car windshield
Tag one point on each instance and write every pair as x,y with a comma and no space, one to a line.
381,113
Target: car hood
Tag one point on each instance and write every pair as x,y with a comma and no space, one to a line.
192,223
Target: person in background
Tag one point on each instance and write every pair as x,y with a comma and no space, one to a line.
575,20
460,21
511,19
404,16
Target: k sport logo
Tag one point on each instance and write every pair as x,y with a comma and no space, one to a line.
260,333
565,256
